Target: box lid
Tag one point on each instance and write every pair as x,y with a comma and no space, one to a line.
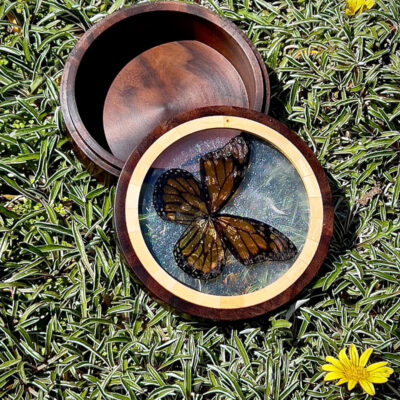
223,213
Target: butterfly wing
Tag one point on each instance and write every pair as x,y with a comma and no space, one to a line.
200,251
251,241
177,197
223,170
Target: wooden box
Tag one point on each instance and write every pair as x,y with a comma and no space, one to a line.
136,42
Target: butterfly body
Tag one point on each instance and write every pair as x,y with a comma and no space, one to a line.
178,197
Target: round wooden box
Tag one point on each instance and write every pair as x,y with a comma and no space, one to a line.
121,75
224,213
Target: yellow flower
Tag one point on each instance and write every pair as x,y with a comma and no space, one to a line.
358,6
16,28
353,371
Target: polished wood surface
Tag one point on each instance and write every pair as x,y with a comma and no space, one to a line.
108,46
163,82
166,296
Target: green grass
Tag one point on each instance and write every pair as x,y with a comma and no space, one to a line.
73,324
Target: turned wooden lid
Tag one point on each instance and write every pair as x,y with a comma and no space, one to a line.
283,187
163,82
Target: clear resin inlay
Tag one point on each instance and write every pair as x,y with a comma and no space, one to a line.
224,213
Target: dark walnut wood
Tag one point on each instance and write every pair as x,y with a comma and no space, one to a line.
167,298
105,49
163,82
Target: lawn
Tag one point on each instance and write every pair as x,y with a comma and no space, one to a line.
74,324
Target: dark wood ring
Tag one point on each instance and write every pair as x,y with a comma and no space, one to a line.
166,297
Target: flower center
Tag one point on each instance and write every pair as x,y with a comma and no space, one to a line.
357,373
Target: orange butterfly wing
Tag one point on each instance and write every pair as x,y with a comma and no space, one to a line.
177,197
223,170
251,241
200,251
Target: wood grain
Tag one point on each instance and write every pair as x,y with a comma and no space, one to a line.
163,82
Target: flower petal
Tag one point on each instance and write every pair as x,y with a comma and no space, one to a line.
353,354
353,6
351,384
365,357
334,362
386,371
330,376
361,9
368,387
343,358
382,371
350,7
341,381
377,379
331,368
375,366
369,4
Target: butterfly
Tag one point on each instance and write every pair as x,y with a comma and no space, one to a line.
201,250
